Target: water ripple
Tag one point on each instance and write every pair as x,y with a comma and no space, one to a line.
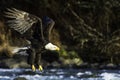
59,74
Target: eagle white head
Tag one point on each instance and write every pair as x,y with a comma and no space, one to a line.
51,47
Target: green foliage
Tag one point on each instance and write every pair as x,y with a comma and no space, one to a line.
63,53
68,54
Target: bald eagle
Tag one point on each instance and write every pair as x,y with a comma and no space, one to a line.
31,28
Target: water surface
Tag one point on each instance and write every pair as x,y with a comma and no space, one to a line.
59,74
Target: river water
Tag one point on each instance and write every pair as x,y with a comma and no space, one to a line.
59,74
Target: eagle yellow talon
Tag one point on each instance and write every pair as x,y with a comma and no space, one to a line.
33,68
40,68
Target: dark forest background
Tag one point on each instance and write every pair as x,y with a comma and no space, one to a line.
87,31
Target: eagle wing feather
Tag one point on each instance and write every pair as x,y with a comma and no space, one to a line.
20,21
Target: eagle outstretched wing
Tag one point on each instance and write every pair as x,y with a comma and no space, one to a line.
19,20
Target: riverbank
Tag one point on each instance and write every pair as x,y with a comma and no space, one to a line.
20,61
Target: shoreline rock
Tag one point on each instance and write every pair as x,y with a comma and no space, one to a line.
21,62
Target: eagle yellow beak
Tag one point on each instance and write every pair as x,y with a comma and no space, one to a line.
57,48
